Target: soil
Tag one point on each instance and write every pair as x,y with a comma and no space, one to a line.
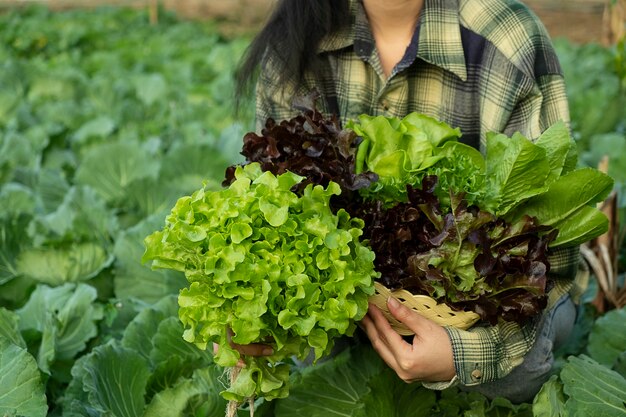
578,24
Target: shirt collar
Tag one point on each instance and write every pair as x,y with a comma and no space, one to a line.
439,34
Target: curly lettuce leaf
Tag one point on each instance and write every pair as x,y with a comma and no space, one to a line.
269,265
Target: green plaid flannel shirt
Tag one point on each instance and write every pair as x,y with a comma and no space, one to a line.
480,65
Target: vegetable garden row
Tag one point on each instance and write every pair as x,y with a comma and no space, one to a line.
105,121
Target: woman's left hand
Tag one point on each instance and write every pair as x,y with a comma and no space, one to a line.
428,358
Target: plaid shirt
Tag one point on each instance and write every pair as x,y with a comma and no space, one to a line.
480,65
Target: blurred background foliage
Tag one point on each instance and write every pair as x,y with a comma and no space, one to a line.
107,116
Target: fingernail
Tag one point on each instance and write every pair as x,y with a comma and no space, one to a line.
268,351
392,302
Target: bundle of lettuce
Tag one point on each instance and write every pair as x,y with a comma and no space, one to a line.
265,265
470,230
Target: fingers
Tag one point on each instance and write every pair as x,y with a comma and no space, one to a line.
397,354
428,358
253,349
412,320
391,338
379,341
390,345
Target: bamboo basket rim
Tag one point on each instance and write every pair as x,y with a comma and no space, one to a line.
424,305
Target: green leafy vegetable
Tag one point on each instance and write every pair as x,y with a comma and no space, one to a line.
508,164
66,317
111,167
334,388
470,230
110,380
607,339
9,328
178,400
270,265
21,388
396,149
77,262
389,396
550,400
601,394
132,278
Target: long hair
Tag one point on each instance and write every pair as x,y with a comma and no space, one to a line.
291,37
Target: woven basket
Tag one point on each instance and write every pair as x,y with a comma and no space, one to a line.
424,305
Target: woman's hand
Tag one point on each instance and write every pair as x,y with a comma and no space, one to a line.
428,358
253,349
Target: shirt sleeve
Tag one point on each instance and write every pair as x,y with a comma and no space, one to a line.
487,353
545,105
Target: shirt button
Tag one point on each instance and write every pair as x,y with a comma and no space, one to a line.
477,374
385,104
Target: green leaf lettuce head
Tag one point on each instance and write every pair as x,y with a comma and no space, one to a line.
398,150
270,265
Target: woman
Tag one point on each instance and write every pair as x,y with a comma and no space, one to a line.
480,65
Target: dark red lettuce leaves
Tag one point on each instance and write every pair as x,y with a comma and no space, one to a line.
309,145
467,258
397,233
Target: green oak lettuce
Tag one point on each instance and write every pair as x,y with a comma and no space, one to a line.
265,265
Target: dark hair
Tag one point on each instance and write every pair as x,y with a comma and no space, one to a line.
291,36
